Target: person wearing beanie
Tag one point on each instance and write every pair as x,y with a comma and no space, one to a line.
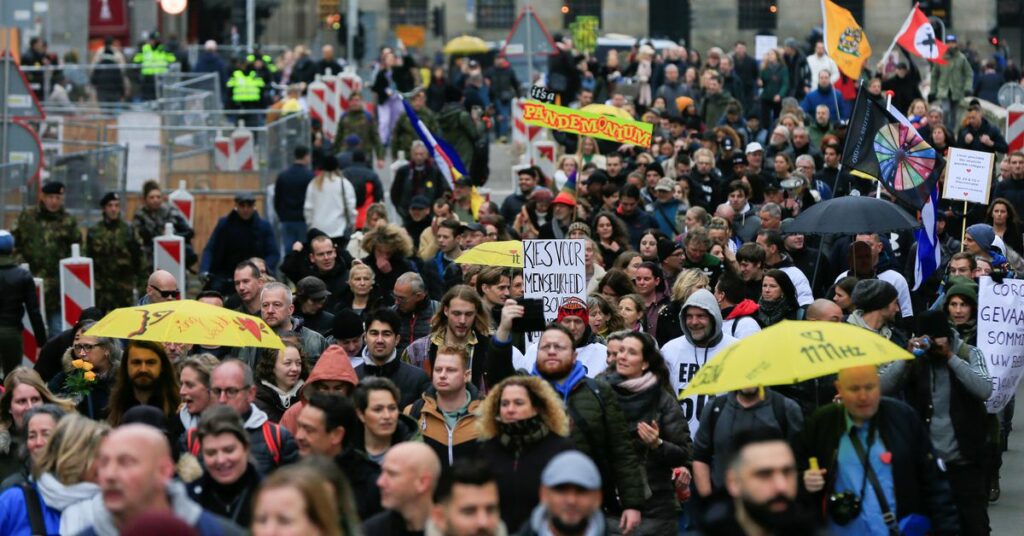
348,333
578,229
961,306
947,386
590,349
670,256
310,299
18,291
979,239
877,305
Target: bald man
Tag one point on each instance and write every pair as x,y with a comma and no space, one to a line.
824,310
136,476
408,476
887,435
161,287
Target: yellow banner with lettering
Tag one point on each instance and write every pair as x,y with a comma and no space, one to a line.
588,124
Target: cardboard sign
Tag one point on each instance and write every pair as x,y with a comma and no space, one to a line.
554,271
588,124
542,94
1001,336
968,175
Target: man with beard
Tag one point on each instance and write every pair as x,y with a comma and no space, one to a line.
574,316
380,359
570,498
761,482
599,427
276,308
705,181
145,377
466,502
886,436
514,203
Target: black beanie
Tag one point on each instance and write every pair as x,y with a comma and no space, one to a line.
873,294
347,324
934,324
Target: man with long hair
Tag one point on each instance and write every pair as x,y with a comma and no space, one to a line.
145,377
461,321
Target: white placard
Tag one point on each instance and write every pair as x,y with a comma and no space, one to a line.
968,175
22,14
554,270
764,43
1001,336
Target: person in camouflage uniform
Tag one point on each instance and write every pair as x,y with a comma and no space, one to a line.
116,243
359,122
149,222
43,236
403,135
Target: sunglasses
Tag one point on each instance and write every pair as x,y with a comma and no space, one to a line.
166,293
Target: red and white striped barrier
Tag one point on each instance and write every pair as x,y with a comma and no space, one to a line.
1015,127
222,153
169,254
29,349
243,152
522,134
316,95
184,201
77,287
348,83
332,110
544,154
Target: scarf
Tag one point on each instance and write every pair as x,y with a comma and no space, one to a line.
774,311
61,497
286,397
637,385
517,436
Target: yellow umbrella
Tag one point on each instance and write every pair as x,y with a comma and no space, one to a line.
791,352
466,44
186,322
508,253
606,109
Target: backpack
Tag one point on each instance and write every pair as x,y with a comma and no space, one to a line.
777,401
271,435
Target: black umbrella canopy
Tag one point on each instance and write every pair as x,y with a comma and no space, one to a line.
851,215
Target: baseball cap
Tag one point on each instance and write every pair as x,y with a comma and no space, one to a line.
312,287
754,147
738,160
419,201
473,227
571,467
666,184
6,242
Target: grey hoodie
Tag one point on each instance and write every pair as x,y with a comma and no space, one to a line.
685,356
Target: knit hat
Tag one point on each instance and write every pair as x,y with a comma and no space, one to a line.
963,287
873,294
934,324
574,307
347,324
983,234
541,193
579,226
564,198
666,248
329,163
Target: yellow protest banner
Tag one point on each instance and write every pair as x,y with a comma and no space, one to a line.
588,124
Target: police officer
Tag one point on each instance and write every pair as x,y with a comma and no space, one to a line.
154,60
44,235
17,295
246,87
118,245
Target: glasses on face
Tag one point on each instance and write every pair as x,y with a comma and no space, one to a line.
399,299
231,392
83,347
166,293
552,347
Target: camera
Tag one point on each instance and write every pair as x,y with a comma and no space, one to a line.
843,507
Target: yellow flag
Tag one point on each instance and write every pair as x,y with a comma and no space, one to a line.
845,40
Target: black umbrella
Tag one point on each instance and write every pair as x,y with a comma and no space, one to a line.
850,215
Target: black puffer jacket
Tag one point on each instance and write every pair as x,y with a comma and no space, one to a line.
17,286
676,449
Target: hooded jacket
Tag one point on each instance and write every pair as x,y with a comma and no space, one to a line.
411,381
450,443
685,356
538,524
261,430
333,365
204,522
273,401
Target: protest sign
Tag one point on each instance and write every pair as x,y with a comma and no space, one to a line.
584,33
553,270
1001,336
542,94
587,123
764,43
968,174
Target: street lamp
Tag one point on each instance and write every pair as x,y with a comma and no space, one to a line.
173,7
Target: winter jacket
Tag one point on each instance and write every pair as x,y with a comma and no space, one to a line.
713,106
334,365
637,223
93,405
538,524
332,207
290,193
411,381
421,354
54,499
403,135
273,401
671,92
593,356
233,501
518,473
816,64
774,81
919,486
234,240
955,79
746,224
685,356
362,473
459,130
741,319
19,289
676,449
416,324
411,181
266,456
450,444
998,142
831,98
185,509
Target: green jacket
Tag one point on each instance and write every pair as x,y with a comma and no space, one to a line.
42,238
712,108
954,79
774,81
361,124
459,130
117,243
403,135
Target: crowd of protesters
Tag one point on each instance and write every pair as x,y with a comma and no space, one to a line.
405,401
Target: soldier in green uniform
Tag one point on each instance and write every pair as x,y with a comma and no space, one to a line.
118,251
359,122
44,235
149,221
403,135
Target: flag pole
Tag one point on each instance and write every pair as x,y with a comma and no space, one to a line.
906,24
824,43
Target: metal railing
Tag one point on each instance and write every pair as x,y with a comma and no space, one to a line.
113,85
14,179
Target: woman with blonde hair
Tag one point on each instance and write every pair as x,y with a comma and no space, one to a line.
331,202
23,389
567,165
589,153
389,247
362,292
522,425
295,500
669,324
63,481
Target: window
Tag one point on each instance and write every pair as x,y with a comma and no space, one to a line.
495,14
582,8
758,15
412,12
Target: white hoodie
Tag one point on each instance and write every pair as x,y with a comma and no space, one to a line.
685,358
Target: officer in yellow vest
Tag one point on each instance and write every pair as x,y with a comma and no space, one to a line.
154,60
247,93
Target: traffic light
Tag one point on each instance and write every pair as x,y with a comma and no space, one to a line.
437,15
359,43
993,36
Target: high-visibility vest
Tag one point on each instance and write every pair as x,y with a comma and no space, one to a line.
267,60
154,60
245,87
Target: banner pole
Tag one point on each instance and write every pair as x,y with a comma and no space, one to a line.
963,228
